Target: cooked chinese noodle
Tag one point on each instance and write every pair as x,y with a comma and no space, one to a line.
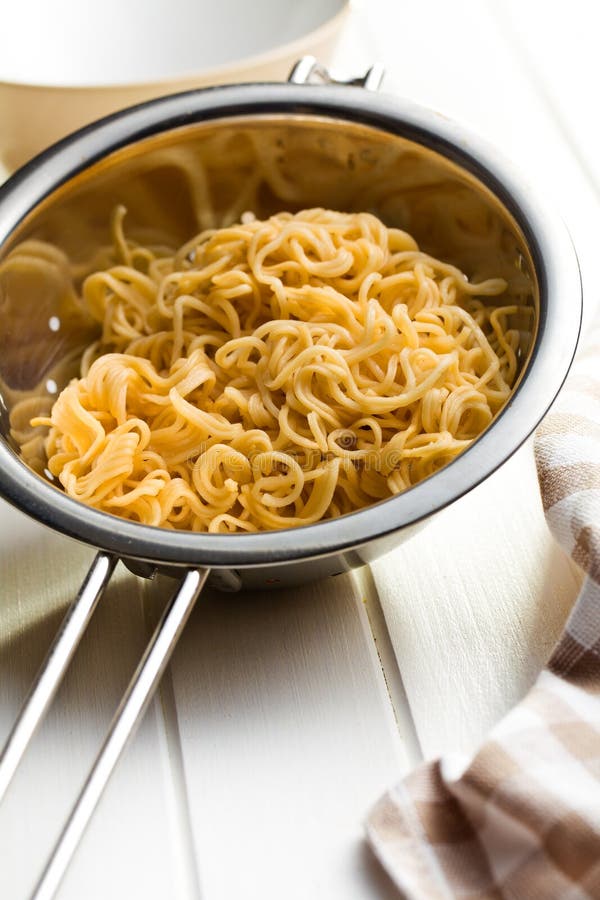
275,373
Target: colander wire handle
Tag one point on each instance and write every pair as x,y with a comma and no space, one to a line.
127,716
309,70
54,667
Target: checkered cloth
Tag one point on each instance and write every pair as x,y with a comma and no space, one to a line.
522,819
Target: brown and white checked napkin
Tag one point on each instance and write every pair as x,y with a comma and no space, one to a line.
522,819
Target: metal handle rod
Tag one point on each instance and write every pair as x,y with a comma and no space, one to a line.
127,716
54,667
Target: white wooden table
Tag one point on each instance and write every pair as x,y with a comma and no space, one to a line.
284,716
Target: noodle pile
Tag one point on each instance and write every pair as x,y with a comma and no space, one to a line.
275,373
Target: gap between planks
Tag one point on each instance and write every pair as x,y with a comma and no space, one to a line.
164,707
388,661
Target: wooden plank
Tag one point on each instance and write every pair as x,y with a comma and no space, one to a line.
132,847
287,739
474,604
563,63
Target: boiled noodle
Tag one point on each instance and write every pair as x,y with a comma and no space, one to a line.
275,373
